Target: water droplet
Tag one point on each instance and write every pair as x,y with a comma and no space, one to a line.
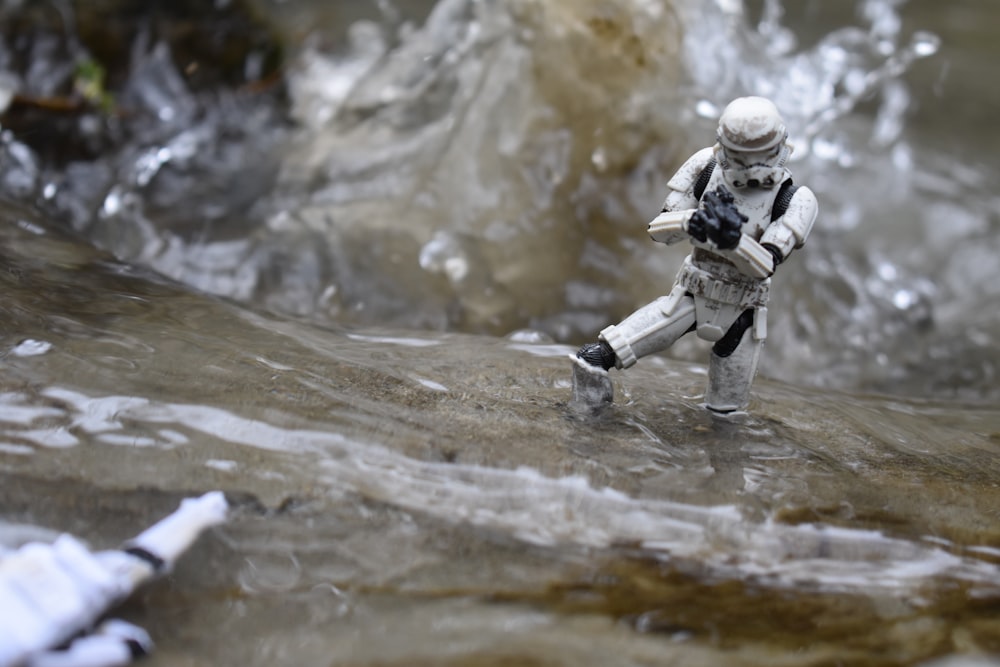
825,149
904,299
902,157
222,465
431,384
112,203
706,109
270,573
30,347
31,227
887,271
599,158
924,44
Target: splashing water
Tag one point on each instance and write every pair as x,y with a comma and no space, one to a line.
492,169
815,87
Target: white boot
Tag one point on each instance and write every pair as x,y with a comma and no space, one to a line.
592,391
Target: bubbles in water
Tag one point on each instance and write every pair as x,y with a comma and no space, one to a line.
530,336
270,573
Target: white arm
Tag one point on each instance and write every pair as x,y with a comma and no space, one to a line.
784,234
670,226
791,230
751,258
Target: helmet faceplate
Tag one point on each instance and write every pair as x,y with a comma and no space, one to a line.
752,150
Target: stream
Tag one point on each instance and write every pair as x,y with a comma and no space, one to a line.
332,261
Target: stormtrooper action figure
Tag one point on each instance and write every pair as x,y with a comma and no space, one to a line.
736,204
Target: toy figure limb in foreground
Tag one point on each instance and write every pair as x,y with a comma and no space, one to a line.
52,595
736,204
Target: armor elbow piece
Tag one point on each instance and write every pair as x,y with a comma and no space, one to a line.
670,226
791,230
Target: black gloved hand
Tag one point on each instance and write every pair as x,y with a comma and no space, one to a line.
698,226
718,220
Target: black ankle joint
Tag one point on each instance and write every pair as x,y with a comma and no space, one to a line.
597,354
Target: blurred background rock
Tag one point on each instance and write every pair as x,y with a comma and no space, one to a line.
488,167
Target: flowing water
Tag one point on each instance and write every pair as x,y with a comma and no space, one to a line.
343,289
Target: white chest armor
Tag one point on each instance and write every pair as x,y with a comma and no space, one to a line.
722,291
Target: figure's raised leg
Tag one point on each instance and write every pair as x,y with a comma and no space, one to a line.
652,328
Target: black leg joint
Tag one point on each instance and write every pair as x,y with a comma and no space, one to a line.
726,345
136,649
775,254
154,561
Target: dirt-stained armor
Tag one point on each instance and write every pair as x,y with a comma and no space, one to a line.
736,204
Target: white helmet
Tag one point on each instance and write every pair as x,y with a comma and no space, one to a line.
753,146
751,124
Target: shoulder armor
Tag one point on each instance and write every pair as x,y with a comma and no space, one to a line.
686,177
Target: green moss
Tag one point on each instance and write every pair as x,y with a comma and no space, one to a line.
88,81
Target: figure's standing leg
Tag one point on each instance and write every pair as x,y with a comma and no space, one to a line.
733,363
652,328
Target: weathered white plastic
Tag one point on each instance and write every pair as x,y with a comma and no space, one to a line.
715,286
670,226
51,592
751,124
172,536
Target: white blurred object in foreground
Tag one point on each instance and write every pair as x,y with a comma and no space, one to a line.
52,595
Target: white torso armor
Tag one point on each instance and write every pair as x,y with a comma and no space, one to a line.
724,283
